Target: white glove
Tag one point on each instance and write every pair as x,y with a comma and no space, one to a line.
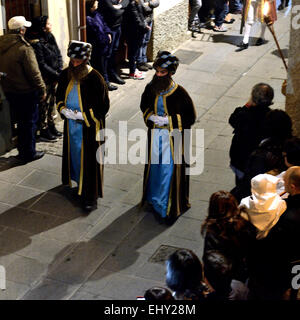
79,116
161,121
69,114
152,118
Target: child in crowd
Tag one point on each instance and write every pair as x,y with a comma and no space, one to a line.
218,272
264,207
185,276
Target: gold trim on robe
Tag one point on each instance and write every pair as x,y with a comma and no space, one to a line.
97,122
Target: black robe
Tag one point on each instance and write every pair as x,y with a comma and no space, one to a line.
182,115
94,104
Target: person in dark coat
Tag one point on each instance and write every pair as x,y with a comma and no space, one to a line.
268,157
112,12
24,86
226,231
248,123
99,36
272,259
148,6
166,106
136,27
83,102
50,63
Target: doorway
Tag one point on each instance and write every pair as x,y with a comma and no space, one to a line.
27,8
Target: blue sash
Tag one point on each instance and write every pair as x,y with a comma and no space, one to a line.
75,135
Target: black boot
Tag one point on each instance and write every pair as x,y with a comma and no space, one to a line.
111,87
260,41
142,67
47,136
116,79
242,46
89,206
148,65
54,131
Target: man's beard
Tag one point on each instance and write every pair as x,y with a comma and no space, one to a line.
79,72
160,84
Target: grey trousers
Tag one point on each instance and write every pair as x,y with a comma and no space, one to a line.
195,7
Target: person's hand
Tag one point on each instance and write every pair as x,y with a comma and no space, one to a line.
78,115
158,120
152,118
148,27
161,121
109,37
69,114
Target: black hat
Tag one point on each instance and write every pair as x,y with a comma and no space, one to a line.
166,60
79,50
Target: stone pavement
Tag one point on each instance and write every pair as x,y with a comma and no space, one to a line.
51,250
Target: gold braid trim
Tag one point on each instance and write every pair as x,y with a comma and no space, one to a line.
97,122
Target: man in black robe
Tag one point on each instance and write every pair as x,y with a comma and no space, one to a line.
167,108
82,100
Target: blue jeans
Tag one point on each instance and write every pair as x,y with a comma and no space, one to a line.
25,111
142,56
195,6
221,11
109,63
134,41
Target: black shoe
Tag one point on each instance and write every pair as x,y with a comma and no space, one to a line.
54,131
38,155
260,41
111,87
148,65
280,7
142,67
116,79
242,46
47,136
229,22
88,207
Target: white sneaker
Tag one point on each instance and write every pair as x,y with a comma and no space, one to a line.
137,75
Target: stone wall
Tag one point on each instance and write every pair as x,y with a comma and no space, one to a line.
170,26
5,129
293,83
58,15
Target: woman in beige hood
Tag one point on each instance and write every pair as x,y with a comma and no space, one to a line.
264,207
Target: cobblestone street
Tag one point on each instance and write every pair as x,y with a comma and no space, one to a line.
52,250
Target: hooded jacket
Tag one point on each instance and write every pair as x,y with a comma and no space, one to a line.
264,207
18,60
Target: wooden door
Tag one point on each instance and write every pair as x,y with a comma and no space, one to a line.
27,8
